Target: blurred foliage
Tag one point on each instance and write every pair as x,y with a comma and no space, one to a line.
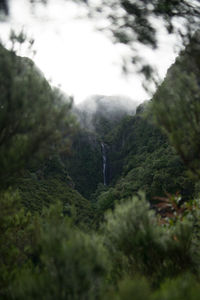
176,106
139,245
46,257
139,24
183,287
34,118
72,264
132,21
17,239
4,7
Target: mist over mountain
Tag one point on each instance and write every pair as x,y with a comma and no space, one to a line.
109,103
98,113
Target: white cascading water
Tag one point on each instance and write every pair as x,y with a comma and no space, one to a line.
104,162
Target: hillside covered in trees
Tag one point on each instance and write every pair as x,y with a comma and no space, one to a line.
99,200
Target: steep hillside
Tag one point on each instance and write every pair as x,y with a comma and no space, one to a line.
36,125
84,162
49,184
97,116
130,152
139,158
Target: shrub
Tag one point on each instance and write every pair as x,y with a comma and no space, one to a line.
72,264
138,244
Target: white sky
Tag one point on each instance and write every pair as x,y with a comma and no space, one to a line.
72,54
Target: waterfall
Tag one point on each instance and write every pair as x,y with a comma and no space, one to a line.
103,148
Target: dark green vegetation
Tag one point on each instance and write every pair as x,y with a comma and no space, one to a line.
34,117
65,235
184,105
139,157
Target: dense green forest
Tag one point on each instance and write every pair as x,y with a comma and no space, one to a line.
99,203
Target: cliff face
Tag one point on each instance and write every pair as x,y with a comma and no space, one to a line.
84,163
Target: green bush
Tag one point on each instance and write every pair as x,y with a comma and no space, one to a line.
182,288
16,239
138,244
72,264
131,289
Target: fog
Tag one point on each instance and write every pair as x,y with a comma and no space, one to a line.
76,57
108,108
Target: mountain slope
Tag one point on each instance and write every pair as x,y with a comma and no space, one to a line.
141,159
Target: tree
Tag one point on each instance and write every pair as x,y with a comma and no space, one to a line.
176,105
138,23
33,116
131,20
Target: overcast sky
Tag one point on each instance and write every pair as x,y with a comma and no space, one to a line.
72,54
